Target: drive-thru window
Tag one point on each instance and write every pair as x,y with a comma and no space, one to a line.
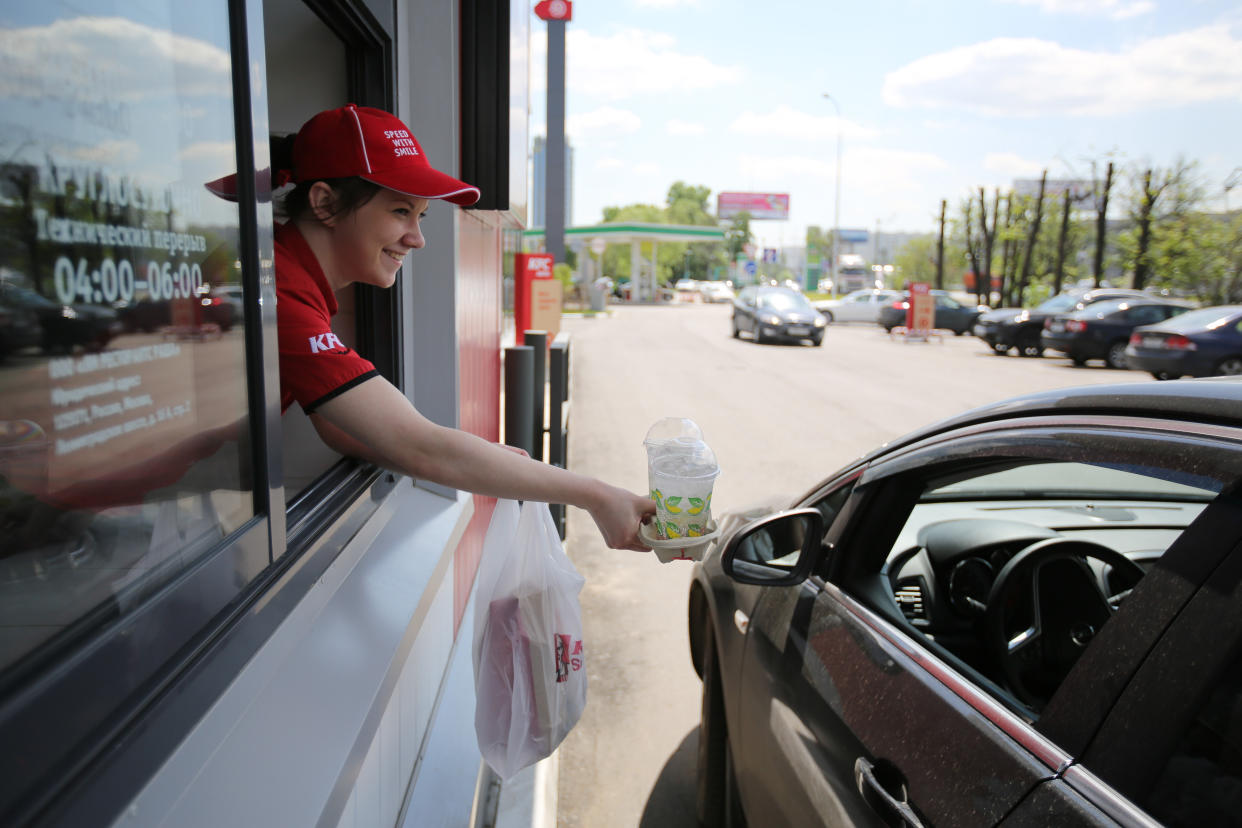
206,616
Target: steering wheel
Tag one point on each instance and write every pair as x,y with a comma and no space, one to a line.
1045,607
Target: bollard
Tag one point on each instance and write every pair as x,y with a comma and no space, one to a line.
519,405
538,343
558,415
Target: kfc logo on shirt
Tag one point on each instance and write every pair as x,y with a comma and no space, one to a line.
326,342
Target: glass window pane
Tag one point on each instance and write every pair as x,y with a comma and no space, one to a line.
123,431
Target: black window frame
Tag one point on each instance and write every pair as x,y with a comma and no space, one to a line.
85,734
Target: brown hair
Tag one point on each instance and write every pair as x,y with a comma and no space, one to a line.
351,193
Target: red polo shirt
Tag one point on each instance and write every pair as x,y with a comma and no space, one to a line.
315,365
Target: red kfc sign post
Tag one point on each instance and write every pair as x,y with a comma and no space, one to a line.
921,315
555,10
527,268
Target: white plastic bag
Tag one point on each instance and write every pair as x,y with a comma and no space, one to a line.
529,666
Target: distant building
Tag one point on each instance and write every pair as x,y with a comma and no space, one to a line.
539,180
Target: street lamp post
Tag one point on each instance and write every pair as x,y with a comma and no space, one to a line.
836,216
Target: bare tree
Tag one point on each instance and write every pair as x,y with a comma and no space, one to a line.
940,248
1007,252
1101,227
1062,240
971,250
983,281
1033,234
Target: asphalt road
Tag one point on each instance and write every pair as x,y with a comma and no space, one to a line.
780,418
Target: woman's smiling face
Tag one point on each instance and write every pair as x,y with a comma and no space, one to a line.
370,243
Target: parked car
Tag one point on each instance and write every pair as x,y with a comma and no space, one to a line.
1029,614
64,327
951,315
716,291
1102,329
857,306
1006,328
776,314
220,307
1202,343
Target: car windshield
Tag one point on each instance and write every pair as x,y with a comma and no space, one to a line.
1046,481
783,300
1057,304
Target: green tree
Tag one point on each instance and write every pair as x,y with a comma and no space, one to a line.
738,235
916,261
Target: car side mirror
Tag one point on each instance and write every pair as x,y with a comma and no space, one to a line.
777,550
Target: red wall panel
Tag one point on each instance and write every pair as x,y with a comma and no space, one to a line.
479,310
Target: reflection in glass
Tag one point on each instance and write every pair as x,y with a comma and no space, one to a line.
778,543
122,365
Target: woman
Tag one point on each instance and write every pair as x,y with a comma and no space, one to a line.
363,184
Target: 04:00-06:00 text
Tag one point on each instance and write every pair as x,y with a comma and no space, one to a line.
114,281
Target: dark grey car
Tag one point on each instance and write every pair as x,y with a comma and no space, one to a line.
777,314
1030,614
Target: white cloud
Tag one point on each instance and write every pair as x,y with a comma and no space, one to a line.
609,164
664,4
646,168
607,120
120,61
1011,165
793,123
112,153
214,150
1030,77
627,63
1116,9
676,127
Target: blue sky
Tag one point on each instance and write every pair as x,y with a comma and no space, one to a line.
937,97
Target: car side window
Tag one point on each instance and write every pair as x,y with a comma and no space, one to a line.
1010,571
1146,314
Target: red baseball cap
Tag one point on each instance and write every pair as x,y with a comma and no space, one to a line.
373,145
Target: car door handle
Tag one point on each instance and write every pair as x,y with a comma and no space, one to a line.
741,620
877,786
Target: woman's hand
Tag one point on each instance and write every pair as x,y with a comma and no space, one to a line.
618,514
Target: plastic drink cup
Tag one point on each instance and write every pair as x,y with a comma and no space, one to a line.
682,491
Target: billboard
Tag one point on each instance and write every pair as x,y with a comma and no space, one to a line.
853,236
759,205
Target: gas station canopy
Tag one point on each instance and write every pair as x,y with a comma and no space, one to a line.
635,233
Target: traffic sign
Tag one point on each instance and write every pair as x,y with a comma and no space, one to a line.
750,268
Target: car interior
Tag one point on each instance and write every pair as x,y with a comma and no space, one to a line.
1010,569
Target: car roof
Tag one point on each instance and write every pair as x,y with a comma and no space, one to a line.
1132,301
1215,400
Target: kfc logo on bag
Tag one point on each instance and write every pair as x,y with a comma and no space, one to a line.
326,342
568,656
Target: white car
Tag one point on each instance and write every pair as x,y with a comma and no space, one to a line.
716,292
859,306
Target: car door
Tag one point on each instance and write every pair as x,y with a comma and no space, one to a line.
848,715
857,307
1170,749
744,310
950,314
